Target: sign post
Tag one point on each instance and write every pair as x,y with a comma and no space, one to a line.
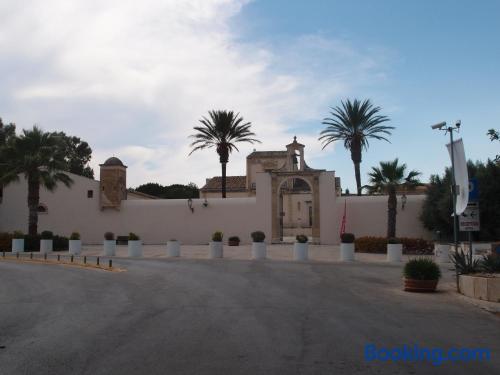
468,221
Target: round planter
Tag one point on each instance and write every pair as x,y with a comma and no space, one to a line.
75,247
346,252
18,245
135,248
173,248
442,253
259,250
46,246
216,249
394,252
109,247
300,251
421,286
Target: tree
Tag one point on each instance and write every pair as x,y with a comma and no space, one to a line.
35,154
438,205
494,136
354,123
175,191
76,153
7,132
222,130
386,179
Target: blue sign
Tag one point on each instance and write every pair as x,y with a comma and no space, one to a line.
473,190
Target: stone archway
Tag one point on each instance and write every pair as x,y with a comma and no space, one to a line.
278,179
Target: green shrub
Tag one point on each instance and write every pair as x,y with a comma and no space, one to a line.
18,235
490,263
32,243
217,236
421,269
5,241
74,236
301,238
109,236
393,241
47,235
378,245
234,239
464,263
133,237
347,238
258,236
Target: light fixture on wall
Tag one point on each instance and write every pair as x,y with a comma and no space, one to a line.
190,205
205,203
403,201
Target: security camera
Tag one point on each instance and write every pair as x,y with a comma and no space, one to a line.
458,123
439,126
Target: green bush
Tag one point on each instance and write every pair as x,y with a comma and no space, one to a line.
32,243
109,236
46,235
490,263
18,235
133,237
234,239
301,238
5,241
258,236
393,241
422,269
217,236
74,236
347,238
378,245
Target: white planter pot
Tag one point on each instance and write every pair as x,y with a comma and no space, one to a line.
346,252
259,250
17,245
216,249
135,248
109,247
300,251
394,252
173,248
442,253
46,246
75,247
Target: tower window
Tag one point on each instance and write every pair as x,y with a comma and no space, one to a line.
90,193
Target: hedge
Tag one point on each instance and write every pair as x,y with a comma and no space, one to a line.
379,245
32,243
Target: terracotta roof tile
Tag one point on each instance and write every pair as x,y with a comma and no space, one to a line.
233,183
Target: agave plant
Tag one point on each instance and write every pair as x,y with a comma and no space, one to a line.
465,264
490,263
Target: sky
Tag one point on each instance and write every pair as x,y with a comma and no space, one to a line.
132,78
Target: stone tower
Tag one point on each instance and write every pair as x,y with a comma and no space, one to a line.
113,183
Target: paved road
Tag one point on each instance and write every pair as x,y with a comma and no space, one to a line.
228,317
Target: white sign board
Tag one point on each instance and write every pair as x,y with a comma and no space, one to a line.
469,219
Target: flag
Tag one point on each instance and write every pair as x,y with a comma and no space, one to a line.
342,226
461,175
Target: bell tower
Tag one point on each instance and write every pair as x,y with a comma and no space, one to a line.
113,187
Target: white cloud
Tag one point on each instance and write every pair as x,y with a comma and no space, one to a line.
133,78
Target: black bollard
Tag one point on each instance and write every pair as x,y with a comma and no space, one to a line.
45,256
72,259
58,258
84,260
17,255
97,261
31,255
110,263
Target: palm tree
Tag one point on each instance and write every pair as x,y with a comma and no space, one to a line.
354,123
385,180
222,130
35,155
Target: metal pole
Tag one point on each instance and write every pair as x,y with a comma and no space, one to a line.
454,192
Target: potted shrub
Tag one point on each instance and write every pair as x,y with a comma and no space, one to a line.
17,242
442,252
75,244
216,249
46,241
421,275
347,247
258,245
134,245
233,241
173,248
109,244
301,247
394,250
